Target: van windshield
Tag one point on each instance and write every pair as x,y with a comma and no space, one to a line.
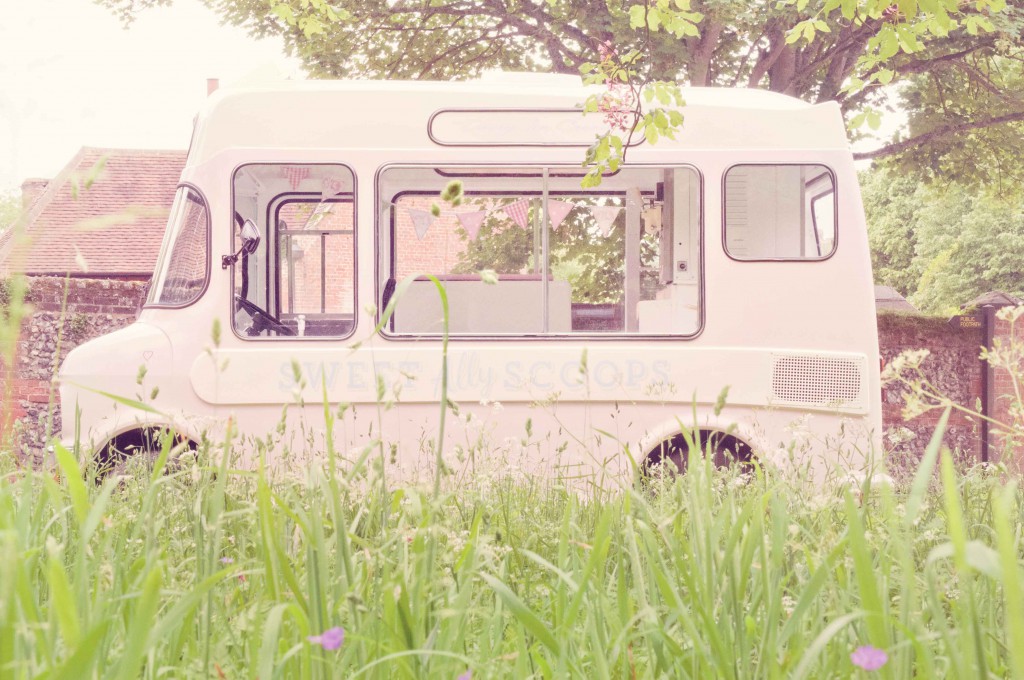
184,264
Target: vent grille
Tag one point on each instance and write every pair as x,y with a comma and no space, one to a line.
816,380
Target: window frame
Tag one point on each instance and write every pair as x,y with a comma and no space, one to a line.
275,207
208,273
351,197
615,336
835,207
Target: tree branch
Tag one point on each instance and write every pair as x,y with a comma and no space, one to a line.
898,147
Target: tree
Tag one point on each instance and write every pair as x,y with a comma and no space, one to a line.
943,246
10,209
849,51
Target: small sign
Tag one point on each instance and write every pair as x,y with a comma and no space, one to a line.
967,321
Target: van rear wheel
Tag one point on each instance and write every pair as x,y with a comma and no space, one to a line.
672,456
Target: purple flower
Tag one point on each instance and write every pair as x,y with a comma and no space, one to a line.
869,658
468,675
227,560
330,639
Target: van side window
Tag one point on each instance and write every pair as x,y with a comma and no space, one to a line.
181,275
780,212
299,282
529,252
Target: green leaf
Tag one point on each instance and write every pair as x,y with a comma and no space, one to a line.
62,600
524,614
284,12
653,19
141,623
71,476
637,18
919,487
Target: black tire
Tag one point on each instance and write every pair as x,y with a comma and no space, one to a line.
672,456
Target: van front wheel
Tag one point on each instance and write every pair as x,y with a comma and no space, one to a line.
135,448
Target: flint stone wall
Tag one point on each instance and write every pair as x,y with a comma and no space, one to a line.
952,366
62,314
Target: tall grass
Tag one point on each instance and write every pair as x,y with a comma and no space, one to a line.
202,570
196,568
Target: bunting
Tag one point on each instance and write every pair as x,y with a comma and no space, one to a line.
295,174
421,220
331,186
605,216
471,222
558,211
519,212
323,209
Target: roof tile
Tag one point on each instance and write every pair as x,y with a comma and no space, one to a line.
107,210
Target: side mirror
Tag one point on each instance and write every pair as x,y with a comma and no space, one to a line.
250,238
250,234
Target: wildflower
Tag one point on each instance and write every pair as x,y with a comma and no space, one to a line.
227,560
468,675
869,658
330,639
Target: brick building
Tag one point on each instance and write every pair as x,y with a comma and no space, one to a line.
88,247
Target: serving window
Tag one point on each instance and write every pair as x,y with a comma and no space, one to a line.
299,281
527,252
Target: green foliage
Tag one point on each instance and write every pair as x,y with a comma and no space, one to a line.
10,210
848,51
590,261
945,106
942,246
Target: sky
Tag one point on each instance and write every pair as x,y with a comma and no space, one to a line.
72,76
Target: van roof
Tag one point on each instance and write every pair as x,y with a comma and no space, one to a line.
325,114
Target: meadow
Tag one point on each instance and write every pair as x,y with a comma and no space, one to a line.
193,568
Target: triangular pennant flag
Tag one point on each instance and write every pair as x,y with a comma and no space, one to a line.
471,222
558,211
519,212
295,174
421,220
323,209
331,186
605,216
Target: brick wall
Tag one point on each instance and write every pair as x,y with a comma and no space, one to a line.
94,307
952,366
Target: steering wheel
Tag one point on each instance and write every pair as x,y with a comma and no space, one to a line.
261,320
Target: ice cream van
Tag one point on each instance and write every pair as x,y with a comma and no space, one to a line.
716,286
